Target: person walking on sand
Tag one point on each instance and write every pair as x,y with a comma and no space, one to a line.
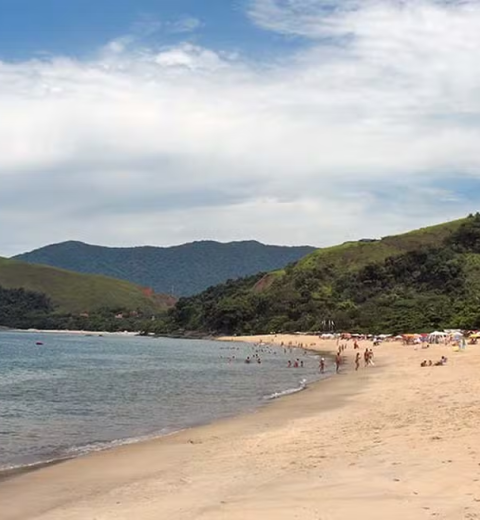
338,361
366,356
370,358
357,361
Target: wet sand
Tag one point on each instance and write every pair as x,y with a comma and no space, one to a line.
392,441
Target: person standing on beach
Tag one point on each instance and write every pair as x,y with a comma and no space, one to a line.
357,361
366,357
322,365
338,361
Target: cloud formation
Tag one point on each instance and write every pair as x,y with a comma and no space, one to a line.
368,130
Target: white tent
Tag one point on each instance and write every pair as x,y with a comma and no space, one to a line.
437,336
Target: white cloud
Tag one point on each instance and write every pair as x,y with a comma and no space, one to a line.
141,145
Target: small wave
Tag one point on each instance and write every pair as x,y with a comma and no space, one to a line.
107,445
276,395
79,451
7,468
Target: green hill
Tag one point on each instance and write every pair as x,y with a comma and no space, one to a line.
181,270
59,293
421,280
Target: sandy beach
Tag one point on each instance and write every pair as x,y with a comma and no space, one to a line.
392,441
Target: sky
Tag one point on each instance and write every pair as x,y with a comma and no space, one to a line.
133,122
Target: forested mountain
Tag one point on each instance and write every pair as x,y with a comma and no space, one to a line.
422,280
45,297
180,270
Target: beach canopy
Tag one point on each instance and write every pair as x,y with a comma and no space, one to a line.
438,334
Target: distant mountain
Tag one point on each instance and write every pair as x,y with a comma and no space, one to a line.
73,293
180,270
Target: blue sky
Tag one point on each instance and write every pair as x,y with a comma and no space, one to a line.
79,27
286,121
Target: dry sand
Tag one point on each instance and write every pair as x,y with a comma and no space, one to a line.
394,441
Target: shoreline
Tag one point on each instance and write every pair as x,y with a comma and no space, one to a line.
395,441
21,475
14,470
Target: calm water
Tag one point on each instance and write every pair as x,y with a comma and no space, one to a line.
75,394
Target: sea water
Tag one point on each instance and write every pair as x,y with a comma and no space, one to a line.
63,395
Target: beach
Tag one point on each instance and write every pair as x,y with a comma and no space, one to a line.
390,441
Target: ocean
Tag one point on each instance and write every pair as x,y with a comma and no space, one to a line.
64,395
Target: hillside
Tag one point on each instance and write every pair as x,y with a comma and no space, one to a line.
76,293
180,270
421,280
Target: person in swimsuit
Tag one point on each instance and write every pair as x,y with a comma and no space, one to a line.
338,361
322,365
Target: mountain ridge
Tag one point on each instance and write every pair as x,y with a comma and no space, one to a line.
183,270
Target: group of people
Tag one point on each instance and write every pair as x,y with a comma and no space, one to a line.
367,358
296,364
254,359
339,360
442,361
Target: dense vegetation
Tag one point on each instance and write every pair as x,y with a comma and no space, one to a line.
21,309
181,270
47,298
418,281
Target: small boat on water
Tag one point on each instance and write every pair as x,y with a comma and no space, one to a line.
39,343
